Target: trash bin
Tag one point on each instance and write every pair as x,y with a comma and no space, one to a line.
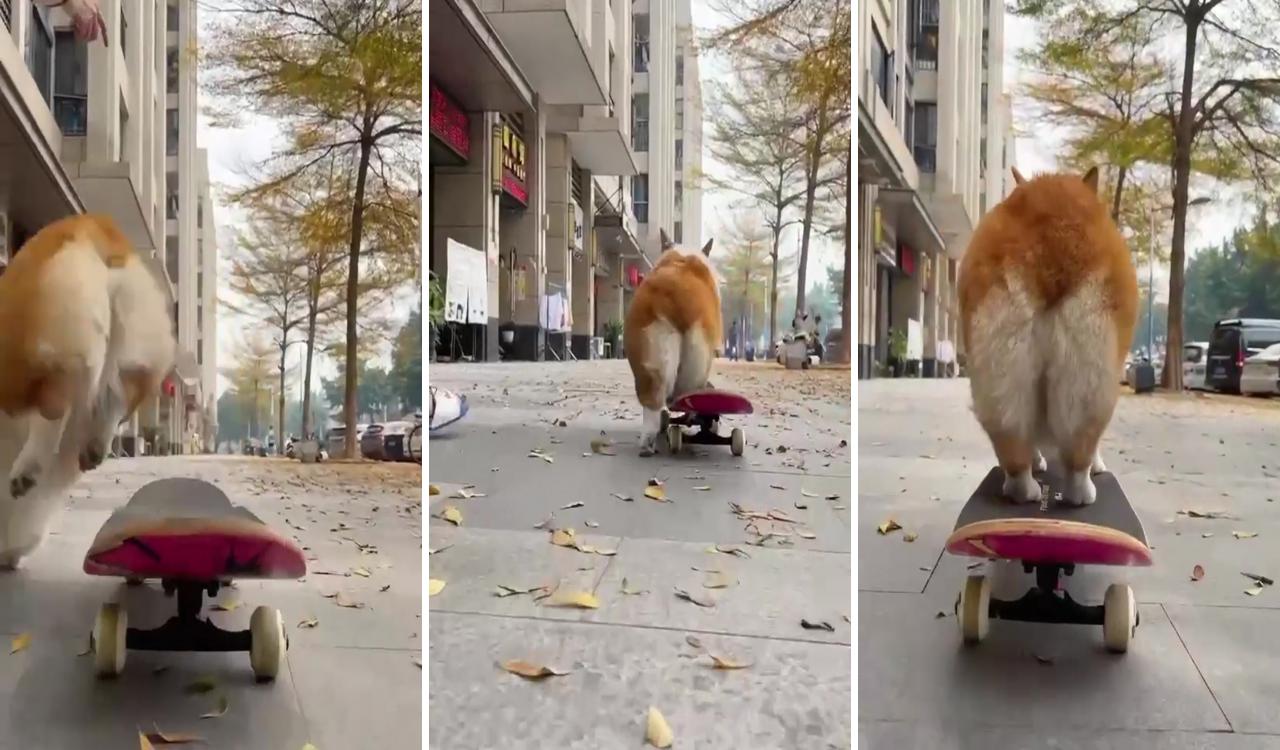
1144,377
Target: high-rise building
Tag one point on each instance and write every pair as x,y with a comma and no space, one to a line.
934,144
82,128
667,123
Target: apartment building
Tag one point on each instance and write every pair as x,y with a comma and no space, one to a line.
934,141
530,214
667,123
82,129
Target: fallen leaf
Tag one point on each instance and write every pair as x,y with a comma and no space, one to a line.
693,641
632,592
435,586
656,492
777,487
888,526
656,731
562,538
831,497
800,506
703,488
384,588
342,601
720,662
201,686
807,493
466,494
543,456
1259,579
1197,573
172,738
602,446
700,601
362,572
452,515
622,497
817,626
730,550
532,671
579,599
577,504
806,534
20,642
438,549
1206,535
910,536
220,710
545,522
591,524
310,622
1255,590
1205,514
1046,660
434,490
1244,534
717,580
505,591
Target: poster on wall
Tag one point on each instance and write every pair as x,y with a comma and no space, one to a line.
915,339
466,297
576,245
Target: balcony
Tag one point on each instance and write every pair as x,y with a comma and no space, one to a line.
549,40
470,62
598,144
72,114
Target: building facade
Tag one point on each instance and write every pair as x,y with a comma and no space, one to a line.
934,136
82,128
530,214
667,124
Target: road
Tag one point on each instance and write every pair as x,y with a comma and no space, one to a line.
633,651
1203,670
353,680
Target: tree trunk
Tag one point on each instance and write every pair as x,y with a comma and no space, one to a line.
351,383
810,191
1115,200
773,279
1171,378
280,405
307,426
846,308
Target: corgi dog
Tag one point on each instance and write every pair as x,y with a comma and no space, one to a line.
85,336
1048,304
672,331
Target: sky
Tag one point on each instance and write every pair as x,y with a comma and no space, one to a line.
1037,148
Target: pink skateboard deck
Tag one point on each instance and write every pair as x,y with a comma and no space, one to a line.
1107,532
188,530
712,402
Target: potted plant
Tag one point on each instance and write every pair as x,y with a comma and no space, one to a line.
613,337
435,311
897,351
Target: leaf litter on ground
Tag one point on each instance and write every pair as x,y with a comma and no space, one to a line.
452,515
656,731
20,642
807,625
632,592
698,599
219,710
1197,573
570,598
435,586
888,526
532,671
655,491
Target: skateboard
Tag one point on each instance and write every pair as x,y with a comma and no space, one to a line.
187,534
703,409
1050,539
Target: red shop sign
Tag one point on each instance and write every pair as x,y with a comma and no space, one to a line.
449,123
906,259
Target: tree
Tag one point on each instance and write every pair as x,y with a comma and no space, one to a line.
749,271
344,80
753,135
406,361
271,288
1226,103
251,367
801,47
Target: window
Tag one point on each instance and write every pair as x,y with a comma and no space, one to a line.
70,84
925,144
171,18
640,122
40,52
909,119
678,231
924,46
640,52
640,197
679,154
881,67
171,131
679,201
171,265
679,69
171,71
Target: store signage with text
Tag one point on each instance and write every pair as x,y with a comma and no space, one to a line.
513,165
449,123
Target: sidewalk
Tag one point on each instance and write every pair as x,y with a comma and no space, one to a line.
633,651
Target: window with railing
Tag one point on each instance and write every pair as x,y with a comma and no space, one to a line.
640,36
171,131
171,18
679,69
881,68
171,71
679,154
679,201
924,45
70,84
640,197
640,122
40,52
925,145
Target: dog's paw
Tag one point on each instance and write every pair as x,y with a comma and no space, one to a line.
91,457
21,484
1021,487
648,445
1080,489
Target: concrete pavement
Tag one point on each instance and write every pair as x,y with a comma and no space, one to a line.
353,680
632,652
1203,670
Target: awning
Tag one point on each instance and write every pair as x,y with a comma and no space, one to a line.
907,214
469,60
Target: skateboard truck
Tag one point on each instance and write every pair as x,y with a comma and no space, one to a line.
186,631
1045,603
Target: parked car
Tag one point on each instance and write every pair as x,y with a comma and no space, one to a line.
371,442
831,346
1260,375
1194,358
1231,343
394,434
337,439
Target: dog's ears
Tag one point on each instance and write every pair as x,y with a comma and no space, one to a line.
664,239
1091,179
1018,179
706,249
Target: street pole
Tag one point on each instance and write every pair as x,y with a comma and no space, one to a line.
1151,275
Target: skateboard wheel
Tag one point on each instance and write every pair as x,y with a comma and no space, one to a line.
737,441
109,630
1120,617
675,438
975,605
267,642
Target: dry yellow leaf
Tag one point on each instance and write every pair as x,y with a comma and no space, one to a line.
309,746
362,572
20,642
173,738
656,492
580,599
630,591
656,731
910,536
887,526
717,580
720,662
434,490
806,534
144,743
532,671
220,710
1244,534
310,622
703,488
562,538
452,515
435,586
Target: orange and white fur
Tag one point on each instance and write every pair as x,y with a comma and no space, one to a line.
672,332
85,335
1048,303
